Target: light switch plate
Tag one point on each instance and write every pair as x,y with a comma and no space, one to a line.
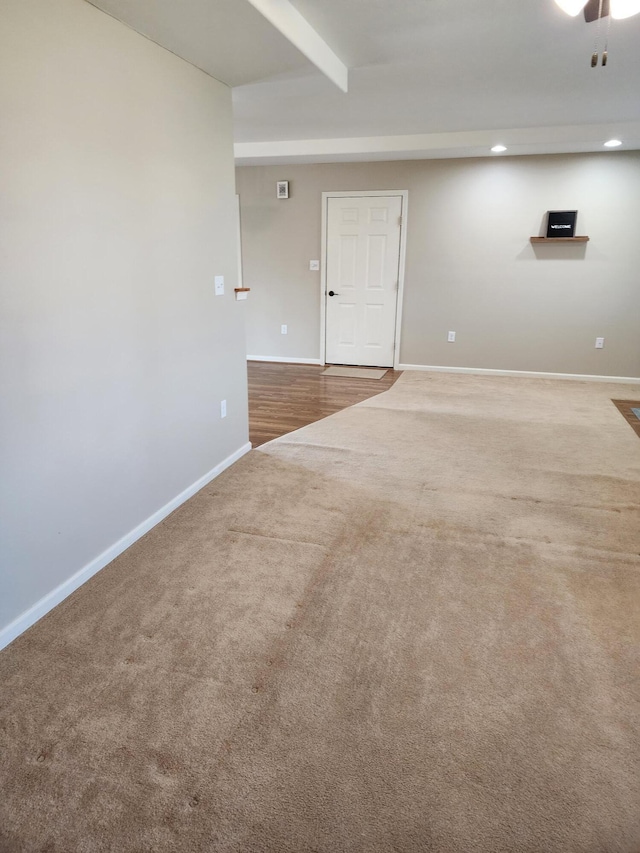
451,337
314,265
219,283
599,343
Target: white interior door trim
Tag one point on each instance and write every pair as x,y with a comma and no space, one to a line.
323,263
239,233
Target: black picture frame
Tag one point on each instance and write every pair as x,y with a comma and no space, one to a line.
561,223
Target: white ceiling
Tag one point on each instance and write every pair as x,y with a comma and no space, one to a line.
431,78
228,39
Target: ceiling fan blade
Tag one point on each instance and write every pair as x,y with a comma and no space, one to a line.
592,10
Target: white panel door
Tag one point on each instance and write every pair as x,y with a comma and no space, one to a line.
363,262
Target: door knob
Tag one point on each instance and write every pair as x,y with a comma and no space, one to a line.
332,293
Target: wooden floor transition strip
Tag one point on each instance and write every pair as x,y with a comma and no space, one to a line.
630,410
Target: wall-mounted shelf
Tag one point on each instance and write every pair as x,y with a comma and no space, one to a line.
241,292
559,239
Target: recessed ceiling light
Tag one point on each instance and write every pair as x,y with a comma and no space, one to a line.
498,149
612,143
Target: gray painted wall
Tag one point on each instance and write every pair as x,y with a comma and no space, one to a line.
470,266
117,209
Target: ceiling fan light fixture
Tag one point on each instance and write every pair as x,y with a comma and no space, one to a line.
624,8
498,149
572,7
612,143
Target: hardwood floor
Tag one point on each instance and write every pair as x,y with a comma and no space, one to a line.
284,397
625,407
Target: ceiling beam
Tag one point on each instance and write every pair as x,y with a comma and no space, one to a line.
294,27
533,140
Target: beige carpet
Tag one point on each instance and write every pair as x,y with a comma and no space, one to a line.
413,626
355,372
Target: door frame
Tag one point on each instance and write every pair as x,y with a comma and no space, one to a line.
401,266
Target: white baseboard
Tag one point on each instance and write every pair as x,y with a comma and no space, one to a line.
278,358
583,377
53,598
